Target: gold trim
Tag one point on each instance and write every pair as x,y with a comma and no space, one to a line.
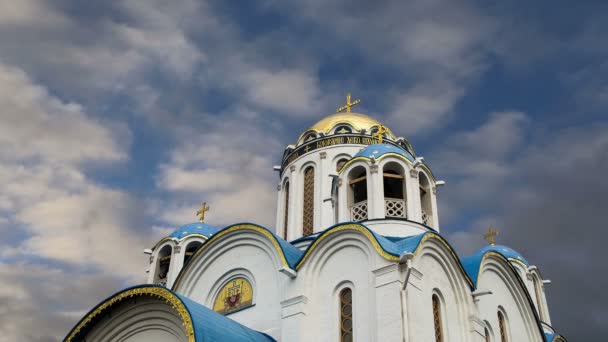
348,163
523,264
155,291
356,120
351,226
168,238
438,237
228,230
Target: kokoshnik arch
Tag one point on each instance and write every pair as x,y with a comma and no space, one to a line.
356,255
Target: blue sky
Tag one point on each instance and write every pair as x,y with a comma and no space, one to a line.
117,119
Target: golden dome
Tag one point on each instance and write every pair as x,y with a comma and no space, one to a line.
357,121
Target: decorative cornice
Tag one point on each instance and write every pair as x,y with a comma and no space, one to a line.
152,291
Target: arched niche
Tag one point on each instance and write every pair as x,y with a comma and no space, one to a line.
395,192
163,265
426,200
357,193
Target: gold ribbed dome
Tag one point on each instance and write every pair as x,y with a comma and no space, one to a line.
357,121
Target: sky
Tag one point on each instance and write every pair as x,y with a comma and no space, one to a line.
118,118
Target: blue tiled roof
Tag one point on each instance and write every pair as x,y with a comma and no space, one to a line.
194,228
292,253
472,263
378,150
209,326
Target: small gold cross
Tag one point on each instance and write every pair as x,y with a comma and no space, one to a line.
348,104
380,134
490,236
201,212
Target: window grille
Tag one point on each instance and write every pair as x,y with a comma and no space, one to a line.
346,315
309,201
501,325
358,211
286,216
437,319
394,208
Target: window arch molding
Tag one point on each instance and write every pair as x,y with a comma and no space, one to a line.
439,315
190,245
225,279
164,255
394,188
426,198
337,311
308,195
488,331
284,207
504,330
337,159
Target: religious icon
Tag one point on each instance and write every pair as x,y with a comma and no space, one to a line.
237,294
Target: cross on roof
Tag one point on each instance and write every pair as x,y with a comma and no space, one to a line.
380,133
490,236
348,104
201,212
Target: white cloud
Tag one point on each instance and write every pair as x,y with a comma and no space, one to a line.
46,195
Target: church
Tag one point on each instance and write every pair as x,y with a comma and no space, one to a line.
356,254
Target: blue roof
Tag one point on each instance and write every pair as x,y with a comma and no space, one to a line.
194,228
378,150
291,252
472,263
207,325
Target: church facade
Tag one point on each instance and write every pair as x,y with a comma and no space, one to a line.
356,255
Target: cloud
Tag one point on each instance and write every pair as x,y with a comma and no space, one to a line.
62,214
546,197
230,167
41,303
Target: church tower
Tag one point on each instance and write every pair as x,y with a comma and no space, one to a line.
349,167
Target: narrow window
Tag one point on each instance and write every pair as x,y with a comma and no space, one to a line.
502,327
487,334
425,199
286,210
346,315
309,201
190,250
394,191
164,262
357,194
437,319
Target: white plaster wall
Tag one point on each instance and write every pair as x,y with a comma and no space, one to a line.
141,319
396,227
508,295
344,260
437,272
240,253
324,161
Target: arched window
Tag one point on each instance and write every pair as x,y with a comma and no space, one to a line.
191,249
437,319
163,264
309,201
425,199
340,164
286,210
502,325
357,194
487,334
394,190
346,315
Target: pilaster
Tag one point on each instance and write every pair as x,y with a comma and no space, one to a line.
292,319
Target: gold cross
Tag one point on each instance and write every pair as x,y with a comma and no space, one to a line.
380,133
348,104
490,236
201,212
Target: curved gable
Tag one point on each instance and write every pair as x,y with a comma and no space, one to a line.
199,323
287,253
